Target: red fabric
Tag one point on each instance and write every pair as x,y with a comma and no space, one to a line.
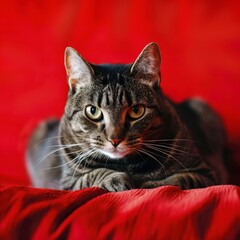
199,41
200,45
161,213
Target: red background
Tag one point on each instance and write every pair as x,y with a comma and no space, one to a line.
199,41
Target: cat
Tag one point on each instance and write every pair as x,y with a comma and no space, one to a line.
120,132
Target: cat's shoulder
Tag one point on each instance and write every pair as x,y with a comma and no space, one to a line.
204,122
198,108
43,131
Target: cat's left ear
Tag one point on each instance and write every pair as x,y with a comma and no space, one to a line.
147,65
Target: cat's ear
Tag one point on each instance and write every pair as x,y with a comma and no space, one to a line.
147,65
79,72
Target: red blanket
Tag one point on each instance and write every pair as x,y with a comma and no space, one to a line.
200,46
161,213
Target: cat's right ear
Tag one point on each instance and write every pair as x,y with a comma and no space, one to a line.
79,72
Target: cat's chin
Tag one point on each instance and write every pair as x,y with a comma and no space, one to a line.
114,154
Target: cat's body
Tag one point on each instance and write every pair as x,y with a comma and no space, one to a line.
120,132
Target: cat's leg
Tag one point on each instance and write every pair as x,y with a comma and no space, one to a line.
42,158
104,178
187,180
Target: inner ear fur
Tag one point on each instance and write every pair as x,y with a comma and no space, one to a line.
78,70
147,64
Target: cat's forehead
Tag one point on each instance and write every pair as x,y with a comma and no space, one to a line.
111,69
117,95
114,87
112,74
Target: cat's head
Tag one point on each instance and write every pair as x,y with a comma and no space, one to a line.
113,108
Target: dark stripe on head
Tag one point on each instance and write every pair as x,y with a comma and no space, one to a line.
99,101
72,114
102,127
128,98
107,99
92,95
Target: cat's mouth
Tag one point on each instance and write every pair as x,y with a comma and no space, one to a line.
115,153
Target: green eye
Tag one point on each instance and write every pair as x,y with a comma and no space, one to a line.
136,111
93,113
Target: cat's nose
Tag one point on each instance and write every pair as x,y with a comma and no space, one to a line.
115,141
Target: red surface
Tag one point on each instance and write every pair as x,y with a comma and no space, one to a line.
161,213
199,41
200,45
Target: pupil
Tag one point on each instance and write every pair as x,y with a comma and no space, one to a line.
135,109
93,110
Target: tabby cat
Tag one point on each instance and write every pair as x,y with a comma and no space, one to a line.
119,132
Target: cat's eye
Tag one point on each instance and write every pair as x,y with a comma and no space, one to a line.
93,113
136,111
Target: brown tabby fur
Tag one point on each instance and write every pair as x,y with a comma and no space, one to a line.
171,144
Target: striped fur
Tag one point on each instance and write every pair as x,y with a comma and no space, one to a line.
171,144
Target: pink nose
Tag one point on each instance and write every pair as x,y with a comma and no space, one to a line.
115,141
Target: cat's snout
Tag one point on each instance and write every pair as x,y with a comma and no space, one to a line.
115,141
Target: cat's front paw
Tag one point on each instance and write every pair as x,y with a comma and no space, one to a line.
117,182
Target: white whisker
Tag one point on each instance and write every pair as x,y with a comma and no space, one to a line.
76,165
62,147
169,155
144,151
58,166
93,155
68,145
44,157
46,139
81,158
107,158
170,140
167,147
